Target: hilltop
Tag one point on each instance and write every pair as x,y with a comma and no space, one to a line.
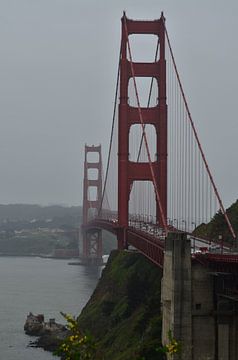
29,212
218,226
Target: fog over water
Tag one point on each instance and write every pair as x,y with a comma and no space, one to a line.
58,72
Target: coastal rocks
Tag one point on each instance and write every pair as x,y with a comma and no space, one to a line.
34,324
50,333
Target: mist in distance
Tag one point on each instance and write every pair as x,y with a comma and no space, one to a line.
58,72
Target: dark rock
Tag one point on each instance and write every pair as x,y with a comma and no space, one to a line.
50,333
47,342
34,324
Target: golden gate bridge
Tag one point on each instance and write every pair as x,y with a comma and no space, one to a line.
157,178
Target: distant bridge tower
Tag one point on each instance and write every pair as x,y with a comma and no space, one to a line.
129,171
92,238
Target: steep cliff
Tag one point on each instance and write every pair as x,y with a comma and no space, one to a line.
123,313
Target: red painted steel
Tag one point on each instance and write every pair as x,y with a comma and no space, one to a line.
153,248
128,172
160,210
92,238
221,263
147,244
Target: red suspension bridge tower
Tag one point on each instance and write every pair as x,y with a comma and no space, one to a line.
183,187
129,171
92,238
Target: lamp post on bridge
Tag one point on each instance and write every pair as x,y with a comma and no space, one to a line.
169,221
141,220
150,217
185,224
176,223
220,238
136,220
195,225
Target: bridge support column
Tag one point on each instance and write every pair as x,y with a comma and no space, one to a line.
92,244
122,238
131,171
199,304
176,293
92,238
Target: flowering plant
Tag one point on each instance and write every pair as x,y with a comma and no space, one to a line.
173,347
76,346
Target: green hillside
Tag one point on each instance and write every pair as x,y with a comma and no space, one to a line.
218,226
123,314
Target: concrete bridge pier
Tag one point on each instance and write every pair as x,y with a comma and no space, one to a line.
176,293
199,304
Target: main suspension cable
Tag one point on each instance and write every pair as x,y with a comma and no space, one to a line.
112,131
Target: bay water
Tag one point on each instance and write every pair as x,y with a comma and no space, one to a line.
39,285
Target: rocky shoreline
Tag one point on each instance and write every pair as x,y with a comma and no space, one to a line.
49,333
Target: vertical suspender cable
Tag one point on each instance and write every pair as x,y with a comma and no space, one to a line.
198,142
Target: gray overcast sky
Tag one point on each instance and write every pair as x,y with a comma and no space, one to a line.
57,80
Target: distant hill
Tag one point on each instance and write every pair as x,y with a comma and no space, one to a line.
33,229
218,226
28,212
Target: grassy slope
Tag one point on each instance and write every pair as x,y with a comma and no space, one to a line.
123,313
217,226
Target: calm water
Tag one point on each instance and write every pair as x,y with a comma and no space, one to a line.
45,286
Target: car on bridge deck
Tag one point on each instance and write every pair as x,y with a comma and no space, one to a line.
214,248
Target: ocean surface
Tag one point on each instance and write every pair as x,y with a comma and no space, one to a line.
39,285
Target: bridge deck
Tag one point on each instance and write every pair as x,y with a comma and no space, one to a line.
150,242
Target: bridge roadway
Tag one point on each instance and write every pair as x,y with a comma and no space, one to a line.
149,239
